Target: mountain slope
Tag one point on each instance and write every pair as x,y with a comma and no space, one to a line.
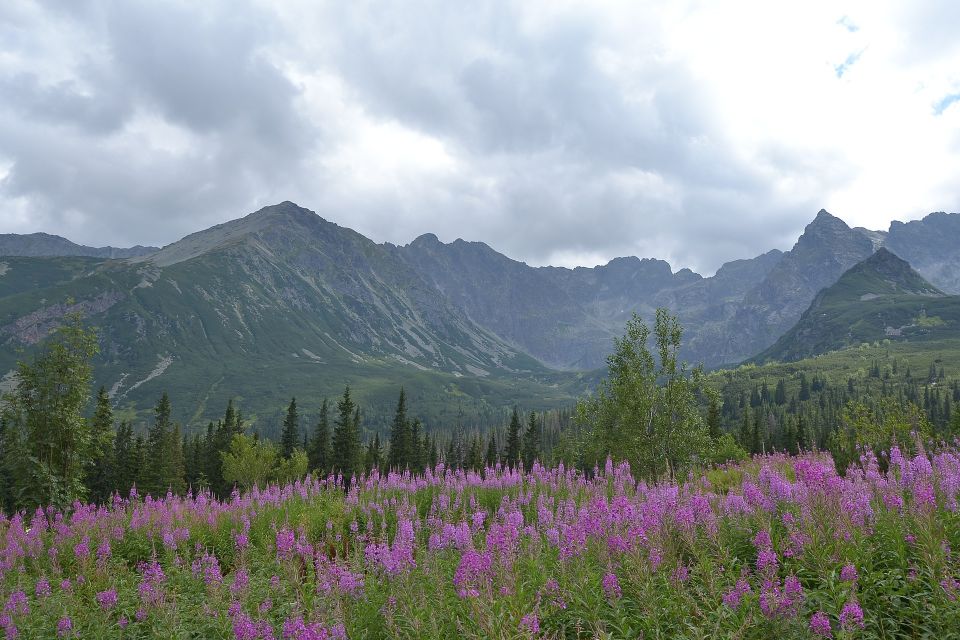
45,245
276,304
879,298
931,246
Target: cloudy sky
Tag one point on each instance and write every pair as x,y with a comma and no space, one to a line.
558,132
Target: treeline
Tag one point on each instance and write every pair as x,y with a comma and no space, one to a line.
814,410
50,453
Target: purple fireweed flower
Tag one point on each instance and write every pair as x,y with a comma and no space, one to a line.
285,543
81,550
42,590
848,573
851,616
732,597
107,599
64,627
820,625
611,586
474,571
530,623
17,604
951,587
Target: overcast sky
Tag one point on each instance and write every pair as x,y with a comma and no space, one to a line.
557,132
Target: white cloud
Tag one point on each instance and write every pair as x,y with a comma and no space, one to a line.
557,132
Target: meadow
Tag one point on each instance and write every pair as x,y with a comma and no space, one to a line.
776,546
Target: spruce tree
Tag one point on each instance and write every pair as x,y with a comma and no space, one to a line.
99,482
434,453
491,459
291,431
512,454
319,452
417,446
346,437
713,418
399,456
531,442
156,477
175,471
123,471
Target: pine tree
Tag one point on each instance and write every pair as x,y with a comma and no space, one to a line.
531,442
491,459
400,449
319,453
374,457
475,454
291,431
713,418
512,454
416,446
802,442
435,453
99,482
346,437
804,388
176,467
124,469
156,476
780,393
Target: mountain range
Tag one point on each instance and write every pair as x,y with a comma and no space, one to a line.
282,302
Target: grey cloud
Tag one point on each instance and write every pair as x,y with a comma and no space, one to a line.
557,150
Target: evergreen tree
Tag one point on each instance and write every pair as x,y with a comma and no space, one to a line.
374,457
491,459
290,434
417,446
346,437
780,393
400,441
802,442
156,477
434,453
99,482
176,467
319,453
124,470
475,454
512,454
713,418
531,442
804,388
138,465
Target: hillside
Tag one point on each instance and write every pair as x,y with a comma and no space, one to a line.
282,302
37,245
879,298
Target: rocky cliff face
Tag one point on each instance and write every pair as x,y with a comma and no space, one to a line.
931,246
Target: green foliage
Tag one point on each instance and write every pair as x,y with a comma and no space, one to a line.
400,436
290,436
292,468
346,438
531,442
511,456
250,463
320,455
878,427
646,411
48,445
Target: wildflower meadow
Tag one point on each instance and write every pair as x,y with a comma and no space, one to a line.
777,546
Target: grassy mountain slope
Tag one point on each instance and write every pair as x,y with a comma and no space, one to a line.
881,297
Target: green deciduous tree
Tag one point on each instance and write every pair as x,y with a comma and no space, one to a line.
249,462
48,444
646,411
